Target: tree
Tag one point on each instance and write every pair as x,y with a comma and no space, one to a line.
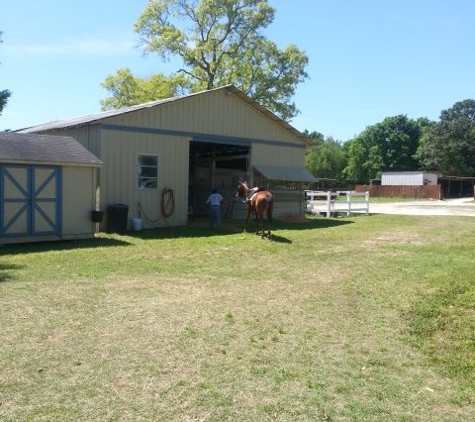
448,146
387,146
326,159
221,45
127,90
5,94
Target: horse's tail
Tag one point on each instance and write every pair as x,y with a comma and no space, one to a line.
269,202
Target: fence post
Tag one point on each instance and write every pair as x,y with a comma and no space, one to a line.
366,199
329,204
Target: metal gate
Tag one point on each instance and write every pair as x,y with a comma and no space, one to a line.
30,200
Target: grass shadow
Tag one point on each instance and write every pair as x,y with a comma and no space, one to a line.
312,224
279,239
5,271
198,229
231,227
62,245
180,232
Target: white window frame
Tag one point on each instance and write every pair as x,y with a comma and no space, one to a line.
147,181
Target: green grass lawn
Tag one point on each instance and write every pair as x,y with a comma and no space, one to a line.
368,318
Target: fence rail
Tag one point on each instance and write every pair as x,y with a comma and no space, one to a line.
331,203
424,191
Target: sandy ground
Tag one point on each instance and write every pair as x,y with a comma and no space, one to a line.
458,207
455,207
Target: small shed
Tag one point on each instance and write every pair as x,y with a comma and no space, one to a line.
409,178
48,188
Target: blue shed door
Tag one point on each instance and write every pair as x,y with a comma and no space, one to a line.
30,200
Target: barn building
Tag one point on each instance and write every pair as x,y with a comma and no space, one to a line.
408,178
48,188
162,158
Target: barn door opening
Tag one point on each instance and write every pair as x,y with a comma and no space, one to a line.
30,200
214,165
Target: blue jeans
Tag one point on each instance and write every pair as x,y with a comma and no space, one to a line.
215,215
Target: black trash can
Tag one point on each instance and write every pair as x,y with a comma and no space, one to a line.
117,217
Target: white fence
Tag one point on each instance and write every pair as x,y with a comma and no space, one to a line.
331,203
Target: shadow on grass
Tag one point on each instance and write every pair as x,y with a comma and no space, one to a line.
279,239
61,245
232,227
312,224
6,271
197,230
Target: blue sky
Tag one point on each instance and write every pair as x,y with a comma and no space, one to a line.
369,59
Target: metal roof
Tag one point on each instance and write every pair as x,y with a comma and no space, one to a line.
92,118
45,149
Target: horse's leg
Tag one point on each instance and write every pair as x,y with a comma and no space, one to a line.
259,217
270,208
261,224
248,213
269,222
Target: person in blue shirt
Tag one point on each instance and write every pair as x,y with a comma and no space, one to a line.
214,201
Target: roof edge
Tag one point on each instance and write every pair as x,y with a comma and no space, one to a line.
98,117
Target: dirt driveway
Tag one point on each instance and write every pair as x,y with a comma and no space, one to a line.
457,207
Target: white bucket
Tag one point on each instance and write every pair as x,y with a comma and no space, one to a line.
136,224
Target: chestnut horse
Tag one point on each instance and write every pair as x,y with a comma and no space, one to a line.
259,201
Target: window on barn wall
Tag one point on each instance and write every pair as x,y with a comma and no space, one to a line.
147,171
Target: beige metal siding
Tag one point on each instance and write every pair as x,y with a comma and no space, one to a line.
120,151
210,113
89,137
78,201
284,156
288,202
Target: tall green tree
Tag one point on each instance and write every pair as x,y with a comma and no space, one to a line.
219,42
5,94
387,146
448,146
127,90
326,159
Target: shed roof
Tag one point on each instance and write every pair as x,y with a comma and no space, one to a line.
23,148
80,121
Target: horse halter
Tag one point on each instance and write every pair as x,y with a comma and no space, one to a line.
241,193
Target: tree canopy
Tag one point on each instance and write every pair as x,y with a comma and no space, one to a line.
326,159
387,146
219,42
400,144
5,94
448,146
127,90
